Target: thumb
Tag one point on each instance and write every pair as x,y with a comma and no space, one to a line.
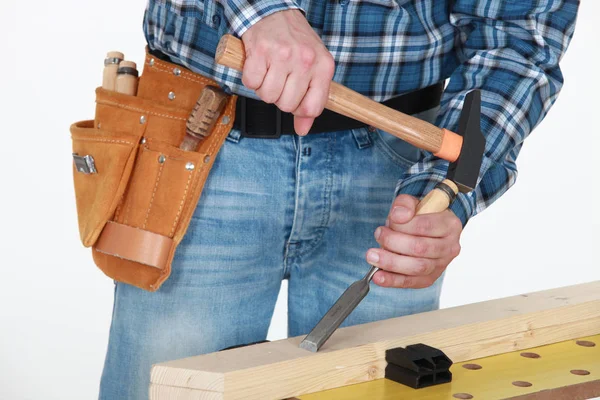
403,209
302,125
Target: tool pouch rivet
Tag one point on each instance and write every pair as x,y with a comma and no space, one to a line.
84,164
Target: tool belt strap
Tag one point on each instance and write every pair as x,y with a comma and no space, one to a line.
134,244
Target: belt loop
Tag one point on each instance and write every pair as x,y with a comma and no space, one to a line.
362,137
242,105
278,122
234,135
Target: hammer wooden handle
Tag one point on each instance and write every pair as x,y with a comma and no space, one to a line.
443,143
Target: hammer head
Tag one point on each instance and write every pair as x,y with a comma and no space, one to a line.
465,170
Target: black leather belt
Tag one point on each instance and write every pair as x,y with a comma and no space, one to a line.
260,120
257,119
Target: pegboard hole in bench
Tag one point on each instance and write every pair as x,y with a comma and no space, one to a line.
522,384
585,343
464,396
580,372
530,355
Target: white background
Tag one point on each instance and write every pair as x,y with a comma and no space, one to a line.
55,306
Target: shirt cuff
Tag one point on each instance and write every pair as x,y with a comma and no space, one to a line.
243,14
420,184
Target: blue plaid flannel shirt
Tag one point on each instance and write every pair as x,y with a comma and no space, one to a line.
510,50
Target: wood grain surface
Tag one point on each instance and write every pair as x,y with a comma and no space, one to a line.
280,369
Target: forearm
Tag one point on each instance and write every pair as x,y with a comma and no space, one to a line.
512,57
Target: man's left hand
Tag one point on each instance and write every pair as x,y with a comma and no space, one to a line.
415,249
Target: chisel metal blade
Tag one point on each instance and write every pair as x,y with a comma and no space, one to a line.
338,313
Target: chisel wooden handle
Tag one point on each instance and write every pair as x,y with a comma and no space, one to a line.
442,142
439,198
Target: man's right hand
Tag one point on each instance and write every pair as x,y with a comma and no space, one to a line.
287,64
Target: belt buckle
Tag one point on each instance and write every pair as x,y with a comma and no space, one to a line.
244,127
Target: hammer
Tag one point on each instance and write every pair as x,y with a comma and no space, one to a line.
464,151
441,142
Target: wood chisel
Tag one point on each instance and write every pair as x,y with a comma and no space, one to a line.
462,176
437,200
111,65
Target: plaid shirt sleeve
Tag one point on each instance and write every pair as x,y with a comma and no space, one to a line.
242,14
510,50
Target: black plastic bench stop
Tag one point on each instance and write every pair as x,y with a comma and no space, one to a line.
418,366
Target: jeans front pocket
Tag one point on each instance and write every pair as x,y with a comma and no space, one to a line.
395,149
399,151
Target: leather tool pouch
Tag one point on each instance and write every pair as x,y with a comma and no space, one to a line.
137,190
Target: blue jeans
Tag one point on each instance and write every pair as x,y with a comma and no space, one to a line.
297,208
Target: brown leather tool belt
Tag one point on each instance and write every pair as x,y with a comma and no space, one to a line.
135,188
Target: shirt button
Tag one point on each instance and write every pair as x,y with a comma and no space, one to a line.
216,19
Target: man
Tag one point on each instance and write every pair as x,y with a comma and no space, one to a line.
307,207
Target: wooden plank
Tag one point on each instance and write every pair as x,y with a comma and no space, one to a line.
179,393
356,354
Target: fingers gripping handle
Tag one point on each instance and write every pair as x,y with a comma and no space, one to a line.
439,198
443,143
